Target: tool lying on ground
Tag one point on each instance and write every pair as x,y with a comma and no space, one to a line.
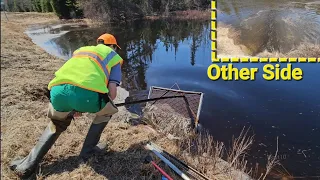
165,160
148,159
162,151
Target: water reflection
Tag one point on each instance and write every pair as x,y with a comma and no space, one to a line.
139,41
275,26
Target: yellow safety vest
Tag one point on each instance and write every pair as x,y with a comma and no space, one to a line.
89,68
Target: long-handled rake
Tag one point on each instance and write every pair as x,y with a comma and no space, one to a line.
147,100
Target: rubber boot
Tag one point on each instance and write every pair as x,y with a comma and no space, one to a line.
26,167
90,145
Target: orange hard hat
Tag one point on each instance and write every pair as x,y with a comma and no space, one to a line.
108,39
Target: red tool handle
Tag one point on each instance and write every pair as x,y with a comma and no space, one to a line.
161,170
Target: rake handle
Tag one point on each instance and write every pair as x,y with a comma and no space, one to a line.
147,100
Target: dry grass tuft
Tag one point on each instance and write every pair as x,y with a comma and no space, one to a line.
207,155
239,149
272,162
303,50
164,118
202,151
228,42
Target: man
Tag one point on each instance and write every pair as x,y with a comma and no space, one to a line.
85,83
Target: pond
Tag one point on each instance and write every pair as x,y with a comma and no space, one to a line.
164,52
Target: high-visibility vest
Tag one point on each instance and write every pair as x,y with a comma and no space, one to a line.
89,68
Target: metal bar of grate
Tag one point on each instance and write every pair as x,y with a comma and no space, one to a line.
188,107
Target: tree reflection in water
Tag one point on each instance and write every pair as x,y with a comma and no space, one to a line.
138,41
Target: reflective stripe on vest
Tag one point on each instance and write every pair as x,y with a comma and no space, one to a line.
96,58
108,59
104,64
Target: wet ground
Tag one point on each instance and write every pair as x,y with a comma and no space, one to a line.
161,53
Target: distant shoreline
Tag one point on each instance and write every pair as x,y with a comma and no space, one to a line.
184,15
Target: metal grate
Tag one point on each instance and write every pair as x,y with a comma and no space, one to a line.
188,106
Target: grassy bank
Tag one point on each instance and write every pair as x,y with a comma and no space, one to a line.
26,71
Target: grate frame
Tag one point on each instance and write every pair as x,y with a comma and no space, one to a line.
195,105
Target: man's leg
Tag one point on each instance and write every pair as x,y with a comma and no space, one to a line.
91,146
59,122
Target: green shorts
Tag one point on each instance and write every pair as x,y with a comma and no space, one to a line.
66,97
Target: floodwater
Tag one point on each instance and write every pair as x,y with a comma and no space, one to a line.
161,53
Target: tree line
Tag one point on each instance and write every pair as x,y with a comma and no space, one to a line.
62,8
106,10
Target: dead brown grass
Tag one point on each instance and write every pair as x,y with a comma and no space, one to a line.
228,42
203,152
167,121
303,50
206,154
